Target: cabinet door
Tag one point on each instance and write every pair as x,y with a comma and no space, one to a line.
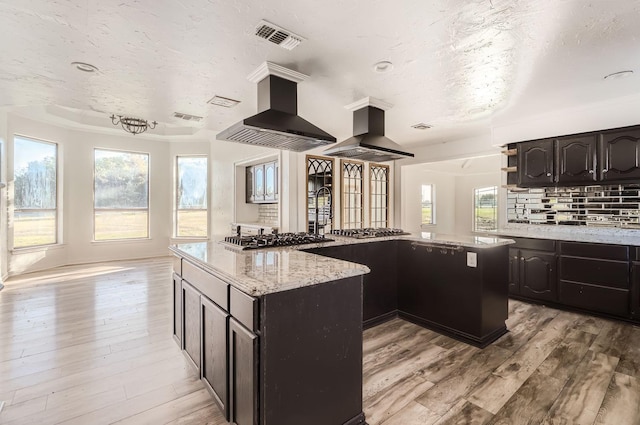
514,271
249,185
576,160
177,309
258,186
535,163
191,312
270,181
243,375
538,275
214,352
620,155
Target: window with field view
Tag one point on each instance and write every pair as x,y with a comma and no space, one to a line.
428,205
35,165
121,195
191,196
485,212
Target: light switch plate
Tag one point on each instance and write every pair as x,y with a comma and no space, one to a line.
472,259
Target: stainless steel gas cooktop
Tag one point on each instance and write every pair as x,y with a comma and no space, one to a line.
369,232
279,239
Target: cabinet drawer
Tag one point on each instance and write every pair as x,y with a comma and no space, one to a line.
613,274
535,244
212,287
595,250
596,298
177,265
244,309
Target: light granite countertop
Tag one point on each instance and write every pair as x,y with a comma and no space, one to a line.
263,271
616,236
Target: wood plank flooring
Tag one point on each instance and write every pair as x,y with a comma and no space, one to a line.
92,345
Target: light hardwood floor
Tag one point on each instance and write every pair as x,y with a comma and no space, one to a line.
92,345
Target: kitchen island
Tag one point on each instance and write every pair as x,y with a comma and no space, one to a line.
276,334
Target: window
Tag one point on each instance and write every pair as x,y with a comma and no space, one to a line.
121,195
35,165
352,197
485,215
191,196
428,210
319,193
379,181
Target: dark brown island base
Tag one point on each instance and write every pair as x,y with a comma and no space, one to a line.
276,334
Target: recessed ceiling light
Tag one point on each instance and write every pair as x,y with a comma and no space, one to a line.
84,67
223,101
421,126
383,66
619,74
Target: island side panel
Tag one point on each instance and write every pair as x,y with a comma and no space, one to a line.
311,355
494,263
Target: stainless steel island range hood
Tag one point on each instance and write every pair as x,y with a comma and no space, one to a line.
277,125
368,142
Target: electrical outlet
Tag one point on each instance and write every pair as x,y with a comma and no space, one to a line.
472,259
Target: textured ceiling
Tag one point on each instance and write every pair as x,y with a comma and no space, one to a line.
458,64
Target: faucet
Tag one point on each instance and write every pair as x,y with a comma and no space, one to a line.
316,229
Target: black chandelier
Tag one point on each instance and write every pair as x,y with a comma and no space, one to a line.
133,125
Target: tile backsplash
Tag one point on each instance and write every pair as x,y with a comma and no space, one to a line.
268,213
603,206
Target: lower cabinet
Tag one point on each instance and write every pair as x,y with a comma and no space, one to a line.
214,351
243,376
191,342
635,289
532,269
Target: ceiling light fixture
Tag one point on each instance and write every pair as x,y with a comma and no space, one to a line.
223,101
84,67
133,125
383,66
421,126
618,75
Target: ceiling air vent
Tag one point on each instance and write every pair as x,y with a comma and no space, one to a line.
277,35
223,101
187,117
421,126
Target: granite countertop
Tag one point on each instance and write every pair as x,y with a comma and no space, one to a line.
615,236
262,271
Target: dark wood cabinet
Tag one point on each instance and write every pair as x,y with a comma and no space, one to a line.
191,314
619,155
177,309
635,290
249,182
575,159
214,352
243,375
535,163
538,275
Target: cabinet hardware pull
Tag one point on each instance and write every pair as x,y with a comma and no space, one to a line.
604,170
590,171
548,174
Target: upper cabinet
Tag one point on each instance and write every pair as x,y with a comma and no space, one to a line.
262,183
535,163
605,157
620,155
576,160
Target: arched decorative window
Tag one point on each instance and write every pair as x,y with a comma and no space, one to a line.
352,195
379,203
319,194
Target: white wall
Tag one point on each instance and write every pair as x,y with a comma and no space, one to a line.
413,177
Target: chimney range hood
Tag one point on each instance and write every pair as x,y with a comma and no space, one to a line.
368,142
277,124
